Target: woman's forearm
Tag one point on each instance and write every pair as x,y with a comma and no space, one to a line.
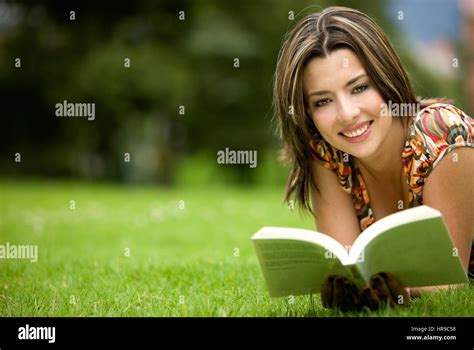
416,292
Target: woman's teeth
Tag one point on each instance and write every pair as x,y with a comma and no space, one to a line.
357,132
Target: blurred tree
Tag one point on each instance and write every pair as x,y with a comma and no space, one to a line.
169,79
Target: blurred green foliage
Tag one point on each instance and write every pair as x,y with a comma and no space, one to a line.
173,63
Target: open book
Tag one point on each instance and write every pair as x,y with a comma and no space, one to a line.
413,244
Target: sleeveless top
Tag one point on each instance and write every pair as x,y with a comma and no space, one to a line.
434,132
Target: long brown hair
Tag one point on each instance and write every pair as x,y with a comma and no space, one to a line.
314,36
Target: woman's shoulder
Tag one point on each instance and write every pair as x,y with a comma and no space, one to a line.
440,117
436,131
442,123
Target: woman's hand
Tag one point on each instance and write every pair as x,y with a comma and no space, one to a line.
388,289
341,293
338,292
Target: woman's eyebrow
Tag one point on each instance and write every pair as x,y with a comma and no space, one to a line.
353,80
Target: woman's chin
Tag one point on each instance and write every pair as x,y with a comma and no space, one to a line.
360,151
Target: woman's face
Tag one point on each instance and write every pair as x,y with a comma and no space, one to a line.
344,104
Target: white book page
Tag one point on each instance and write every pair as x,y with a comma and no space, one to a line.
397,219
314,237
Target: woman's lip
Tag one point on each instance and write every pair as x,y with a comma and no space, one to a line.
361,137
355,127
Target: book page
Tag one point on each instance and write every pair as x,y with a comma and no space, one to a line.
419,253
296,266
313,237
385,224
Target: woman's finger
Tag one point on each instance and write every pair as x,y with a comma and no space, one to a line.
338,292
399,294
327,291
378,283
369,298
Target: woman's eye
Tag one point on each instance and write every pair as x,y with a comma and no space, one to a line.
321,103
360,88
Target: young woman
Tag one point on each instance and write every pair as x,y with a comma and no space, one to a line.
339,89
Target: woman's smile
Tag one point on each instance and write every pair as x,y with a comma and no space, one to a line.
358,133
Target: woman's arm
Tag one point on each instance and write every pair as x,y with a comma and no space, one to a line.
450,189
335,213
416,292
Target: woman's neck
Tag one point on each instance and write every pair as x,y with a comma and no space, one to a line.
386,164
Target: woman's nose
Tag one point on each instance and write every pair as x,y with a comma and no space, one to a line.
347,111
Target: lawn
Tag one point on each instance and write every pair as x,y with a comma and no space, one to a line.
118,250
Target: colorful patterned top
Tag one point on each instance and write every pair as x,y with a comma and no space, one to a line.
434,132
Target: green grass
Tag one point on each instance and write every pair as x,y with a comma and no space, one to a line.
182,261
